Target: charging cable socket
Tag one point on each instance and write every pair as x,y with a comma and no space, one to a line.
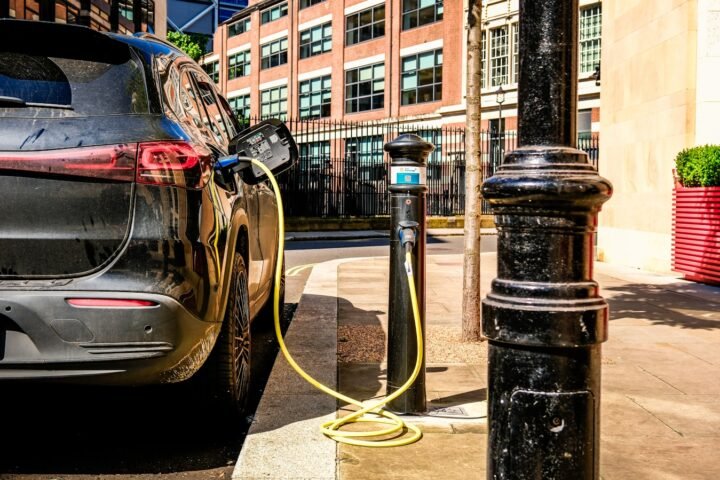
407,232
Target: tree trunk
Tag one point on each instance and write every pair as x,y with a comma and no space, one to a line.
471,330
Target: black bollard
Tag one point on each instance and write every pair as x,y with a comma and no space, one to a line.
544,318
407,188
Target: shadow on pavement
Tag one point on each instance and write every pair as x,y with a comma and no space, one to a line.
662,305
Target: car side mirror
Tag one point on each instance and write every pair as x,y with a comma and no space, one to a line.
270,142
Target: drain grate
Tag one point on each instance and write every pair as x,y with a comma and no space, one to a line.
448,411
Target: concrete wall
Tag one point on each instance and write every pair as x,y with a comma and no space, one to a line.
708,68
648,103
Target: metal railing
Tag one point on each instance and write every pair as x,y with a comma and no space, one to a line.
343,170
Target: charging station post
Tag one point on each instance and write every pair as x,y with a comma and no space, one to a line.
544,318
408,154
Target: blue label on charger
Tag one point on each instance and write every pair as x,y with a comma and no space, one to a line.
406,175
408,179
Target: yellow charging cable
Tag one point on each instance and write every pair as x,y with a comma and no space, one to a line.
332,428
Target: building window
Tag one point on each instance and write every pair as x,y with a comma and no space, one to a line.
365,25
434,161
516,43
273,13
314,154
239,65
273,54
213,70
240,106
483,59
239,27
590,32
417,13
365,156
316,40
422,77
273,102
365,88
315,97
499,56
584,123
309,3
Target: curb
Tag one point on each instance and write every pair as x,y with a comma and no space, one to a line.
284,440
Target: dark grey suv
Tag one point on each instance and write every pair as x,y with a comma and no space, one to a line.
126,255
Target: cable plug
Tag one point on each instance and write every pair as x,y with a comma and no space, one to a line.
407,232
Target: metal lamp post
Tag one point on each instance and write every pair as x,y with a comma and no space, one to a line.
544,318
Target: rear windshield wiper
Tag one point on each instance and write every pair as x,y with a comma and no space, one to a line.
20,103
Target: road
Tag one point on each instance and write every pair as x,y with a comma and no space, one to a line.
305,254
79,433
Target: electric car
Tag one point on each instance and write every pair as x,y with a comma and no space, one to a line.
126,255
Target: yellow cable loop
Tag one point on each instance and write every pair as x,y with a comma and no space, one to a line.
331,429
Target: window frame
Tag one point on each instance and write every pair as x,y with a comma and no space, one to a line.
303,4
246,107
325,101
309,44
590,48
233,32
437,72
266,61
215,73
373,94
245,66
372,25
282,8
499,56
282,114
438,5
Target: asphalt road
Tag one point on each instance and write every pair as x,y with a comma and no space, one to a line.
63,432
300,256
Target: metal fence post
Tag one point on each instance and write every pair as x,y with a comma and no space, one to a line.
544,318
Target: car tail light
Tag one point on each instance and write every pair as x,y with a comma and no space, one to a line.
173,163
109,162
110,303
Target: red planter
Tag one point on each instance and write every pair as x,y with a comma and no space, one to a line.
696,233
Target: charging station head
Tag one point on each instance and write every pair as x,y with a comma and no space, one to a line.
270,142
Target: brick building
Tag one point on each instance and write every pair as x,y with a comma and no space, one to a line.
123,16
379,59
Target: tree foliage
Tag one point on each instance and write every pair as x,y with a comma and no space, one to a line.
192,45
699,166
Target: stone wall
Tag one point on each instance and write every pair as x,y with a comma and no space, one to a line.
649,113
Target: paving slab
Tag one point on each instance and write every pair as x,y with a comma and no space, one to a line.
660,394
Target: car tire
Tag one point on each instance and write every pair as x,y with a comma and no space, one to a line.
266,316
228,368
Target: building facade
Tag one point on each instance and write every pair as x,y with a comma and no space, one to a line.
660,96
381,59
123,16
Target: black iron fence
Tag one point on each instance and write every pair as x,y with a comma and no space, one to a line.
342,171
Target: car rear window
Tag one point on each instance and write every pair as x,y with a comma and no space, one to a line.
71,86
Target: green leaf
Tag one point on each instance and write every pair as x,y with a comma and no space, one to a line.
192,44
699,166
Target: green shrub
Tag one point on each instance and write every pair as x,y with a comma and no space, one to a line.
699,166
192,44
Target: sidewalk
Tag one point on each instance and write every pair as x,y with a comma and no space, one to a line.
661,371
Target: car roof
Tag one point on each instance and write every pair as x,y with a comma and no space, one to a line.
40,33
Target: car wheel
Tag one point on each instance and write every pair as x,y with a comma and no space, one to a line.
267,315
229,364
